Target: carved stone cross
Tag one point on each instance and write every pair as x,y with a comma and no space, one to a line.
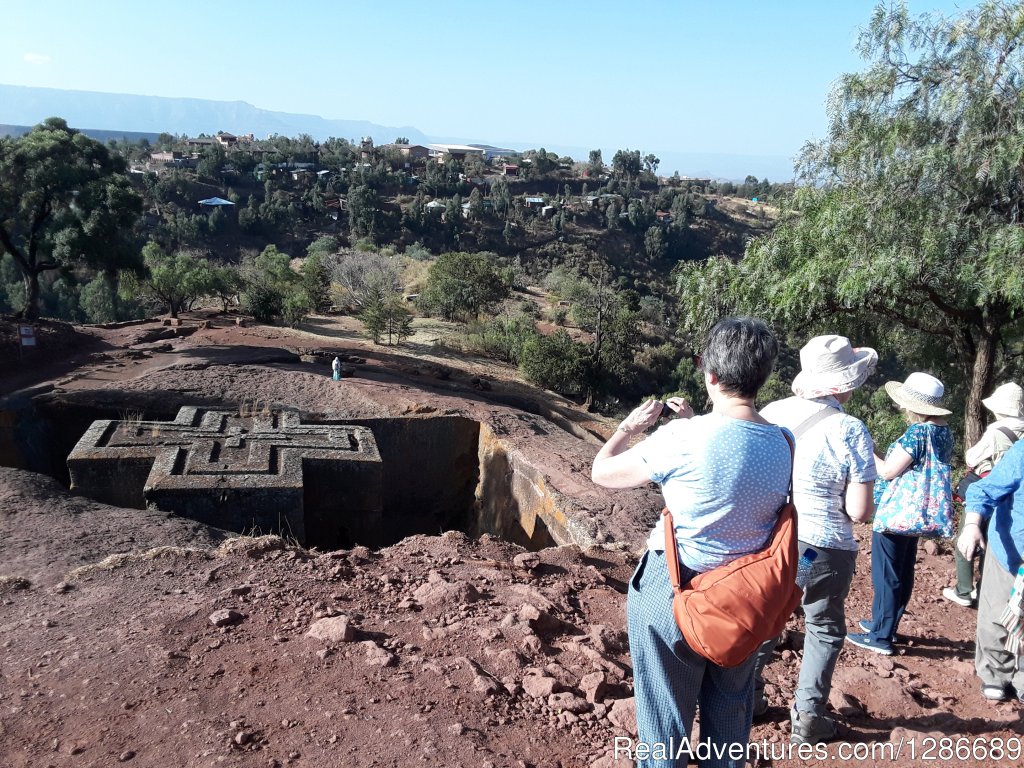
261,473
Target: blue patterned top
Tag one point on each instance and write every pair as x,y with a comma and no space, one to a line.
724,480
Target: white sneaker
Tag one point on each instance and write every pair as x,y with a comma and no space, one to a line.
950,594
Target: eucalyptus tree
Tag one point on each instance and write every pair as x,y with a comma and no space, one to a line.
65,200
909,215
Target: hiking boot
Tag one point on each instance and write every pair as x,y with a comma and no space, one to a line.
995,692
806,728
875,646
950,594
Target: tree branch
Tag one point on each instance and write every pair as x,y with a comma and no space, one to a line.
11,248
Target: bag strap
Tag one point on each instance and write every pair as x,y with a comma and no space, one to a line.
1010,434
813,419
672,548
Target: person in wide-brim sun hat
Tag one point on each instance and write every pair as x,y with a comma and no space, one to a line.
1006,401
913,497
829,365
920,393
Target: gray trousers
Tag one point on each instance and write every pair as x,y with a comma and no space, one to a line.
824,605
994,665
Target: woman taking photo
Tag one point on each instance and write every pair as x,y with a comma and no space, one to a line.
724,476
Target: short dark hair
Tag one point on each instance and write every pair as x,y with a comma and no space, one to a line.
741,352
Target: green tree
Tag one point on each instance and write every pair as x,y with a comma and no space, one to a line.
910,215
460,285
174,280
226,284
626,164
595,165
316,282
273,290
555,362
542,163
211,162
476,205
654,243
602,310
98,300
64,200
363,211
384,314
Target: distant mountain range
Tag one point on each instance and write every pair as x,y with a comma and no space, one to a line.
20,105
112,115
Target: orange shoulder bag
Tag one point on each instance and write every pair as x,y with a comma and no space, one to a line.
727,612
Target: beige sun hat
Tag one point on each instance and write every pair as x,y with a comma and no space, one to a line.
920,393
1007,400
829,365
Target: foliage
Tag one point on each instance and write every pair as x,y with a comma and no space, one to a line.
610,316
359,273
555,362
363,211
626,164
461,285
98,300
173,280
316,282
325,245
503,337
384,314
226,283
64,200
272,289
910,215
654,243
418,252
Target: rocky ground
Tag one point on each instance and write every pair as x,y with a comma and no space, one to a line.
130,637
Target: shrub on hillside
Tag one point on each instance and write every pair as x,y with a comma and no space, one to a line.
461,285
555,362
502,337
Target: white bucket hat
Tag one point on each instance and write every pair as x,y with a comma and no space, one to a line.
920,393
830,366
1007,400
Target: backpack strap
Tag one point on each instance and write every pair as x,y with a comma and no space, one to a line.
672,548
813,419
1009,433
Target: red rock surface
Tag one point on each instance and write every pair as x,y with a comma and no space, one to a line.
443,650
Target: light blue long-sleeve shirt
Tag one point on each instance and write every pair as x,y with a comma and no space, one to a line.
1000,496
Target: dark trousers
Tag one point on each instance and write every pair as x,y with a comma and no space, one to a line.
893,558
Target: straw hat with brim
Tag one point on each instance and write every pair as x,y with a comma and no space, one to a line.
920,393
1007,400
830,366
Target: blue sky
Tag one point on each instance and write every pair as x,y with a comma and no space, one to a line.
732,77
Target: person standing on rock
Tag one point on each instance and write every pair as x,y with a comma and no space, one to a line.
1007,404
336,367
724,476
997,499
833,478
